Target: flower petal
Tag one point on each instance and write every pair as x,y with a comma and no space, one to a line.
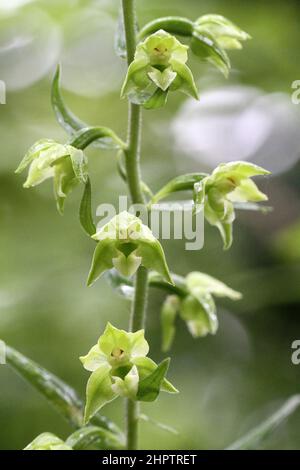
196,281
94,359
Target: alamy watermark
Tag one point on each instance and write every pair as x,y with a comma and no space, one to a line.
2,92
173,220
2,353
296,93
295,358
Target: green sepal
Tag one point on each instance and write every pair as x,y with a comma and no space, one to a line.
98,391
102,259
185,80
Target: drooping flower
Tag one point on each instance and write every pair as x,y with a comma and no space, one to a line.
212,36
47,441
66,164
120,367
197,307
126,243
228,183
159,66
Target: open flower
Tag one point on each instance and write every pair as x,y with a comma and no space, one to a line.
47,441
197,307
67,166
120,367
126,243
229,183
159,66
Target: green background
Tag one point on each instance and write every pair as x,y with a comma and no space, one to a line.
228,382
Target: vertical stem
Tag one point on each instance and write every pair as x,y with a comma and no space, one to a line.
132,155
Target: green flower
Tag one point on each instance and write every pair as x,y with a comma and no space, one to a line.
197,307
159,66
126,243
47,441
67,166
229,183
225,33
212,35
120,367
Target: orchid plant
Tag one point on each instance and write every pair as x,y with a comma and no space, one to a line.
126,249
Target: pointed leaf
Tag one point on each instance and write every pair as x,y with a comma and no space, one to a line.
146,367
68,120
149,387
85,211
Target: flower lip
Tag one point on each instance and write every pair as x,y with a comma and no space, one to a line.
117,353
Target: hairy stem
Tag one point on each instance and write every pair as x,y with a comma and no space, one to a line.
132,154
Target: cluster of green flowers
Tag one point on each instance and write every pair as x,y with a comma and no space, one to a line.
119,362
159,65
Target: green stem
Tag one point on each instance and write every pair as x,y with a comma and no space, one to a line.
132,161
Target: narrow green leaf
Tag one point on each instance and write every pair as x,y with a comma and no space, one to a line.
72,124
88,135
149,387
171,24
64,116
257,435
94,438
59,394
180,183
85,210
62,397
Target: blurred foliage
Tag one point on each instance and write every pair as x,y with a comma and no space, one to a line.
46,311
